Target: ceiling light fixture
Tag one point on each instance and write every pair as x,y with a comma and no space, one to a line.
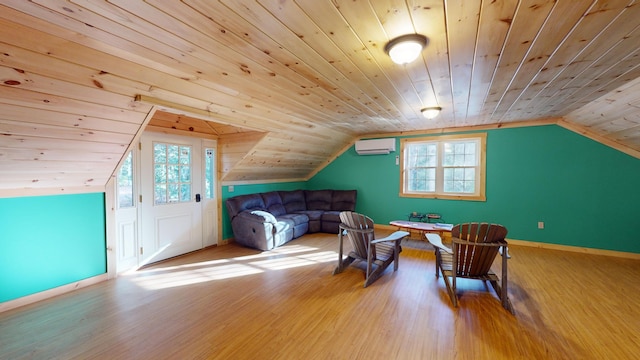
406,48
431,112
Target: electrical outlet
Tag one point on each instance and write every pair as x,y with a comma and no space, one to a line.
231,188
540,224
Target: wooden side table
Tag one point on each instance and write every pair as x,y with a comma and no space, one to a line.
422,227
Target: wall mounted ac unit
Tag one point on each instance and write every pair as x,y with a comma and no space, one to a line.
376,146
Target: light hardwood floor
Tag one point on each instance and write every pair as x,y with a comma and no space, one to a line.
236,303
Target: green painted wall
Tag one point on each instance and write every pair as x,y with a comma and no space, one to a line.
49,241
586,193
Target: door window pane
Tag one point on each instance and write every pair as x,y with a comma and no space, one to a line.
125,183
209,170
172,173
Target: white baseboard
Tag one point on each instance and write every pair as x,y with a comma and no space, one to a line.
578,249
30,299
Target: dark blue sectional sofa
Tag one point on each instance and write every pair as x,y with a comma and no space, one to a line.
267,220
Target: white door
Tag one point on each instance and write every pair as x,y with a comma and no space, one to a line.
126,214
170,186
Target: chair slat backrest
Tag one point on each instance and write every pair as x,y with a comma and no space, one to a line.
359,240
476,260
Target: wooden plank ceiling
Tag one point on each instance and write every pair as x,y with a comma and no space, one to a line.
303,78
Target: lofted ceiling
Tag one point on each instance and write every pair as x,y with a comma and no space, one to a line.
286,85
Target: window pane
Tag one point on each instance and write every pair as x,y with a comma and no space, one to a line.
173,193
460,154
173,154
431,180
208,173
470,154
469,160
470,148
172,173
432,160
160,194
469,187
159,153
459,180
449,178
469,174
422,154
420,164
458,160
185,174
421,180
160,174
185,192
185,155
125,182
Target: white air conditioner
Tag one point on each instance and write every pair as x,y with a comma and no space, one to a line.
376,146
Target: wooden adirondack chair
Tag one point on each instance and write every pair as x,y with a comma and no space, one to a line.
474,248
378,253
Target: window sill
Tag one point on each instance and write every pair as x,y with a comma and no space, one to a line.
480,197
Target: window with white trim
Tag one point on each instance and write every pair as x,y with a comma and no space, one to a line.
445,167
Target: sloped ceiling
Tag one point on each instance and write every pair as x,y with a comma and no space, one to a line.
80,79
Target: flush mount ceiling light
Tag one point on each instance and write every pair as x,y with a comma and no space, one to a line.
406,48
431,112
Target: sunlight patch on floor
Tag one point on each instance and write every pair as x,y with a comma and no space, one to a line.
285,257
295,261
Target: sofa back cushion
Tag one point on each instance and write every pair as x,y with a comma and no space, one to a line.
344,200
293,201
273,203
241,203
318,199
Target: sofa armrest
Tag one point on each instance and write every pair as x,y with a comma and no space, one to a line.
258,215
241,203
255,228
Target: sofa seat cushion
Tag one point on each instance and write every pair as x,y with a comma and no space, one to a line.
331,216
314,219
295,219
312,214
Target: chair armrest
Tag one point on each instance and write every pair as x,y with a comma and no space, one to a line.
398,235
436,241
